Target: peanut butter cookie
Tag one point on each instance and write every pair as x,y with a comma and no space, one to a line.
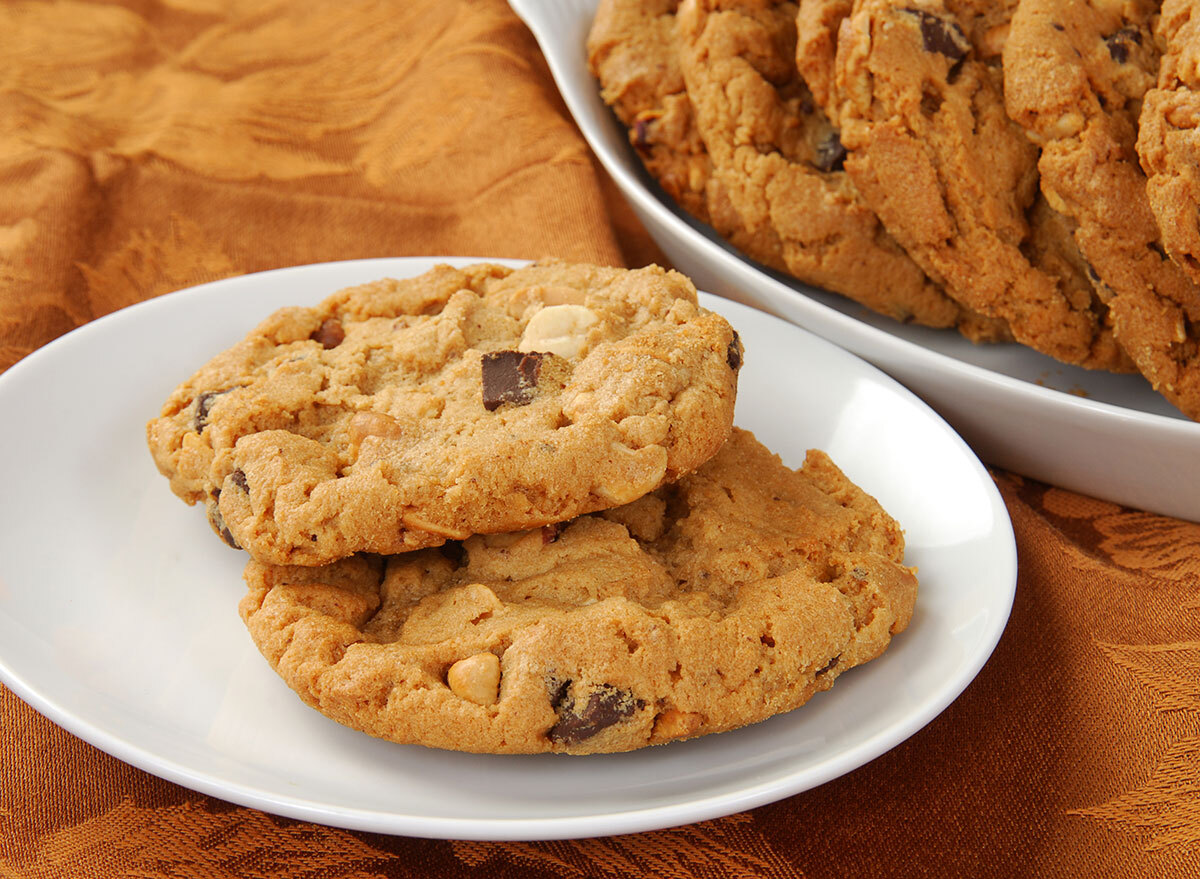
400,414
933,151
1075,76
732,595
779,159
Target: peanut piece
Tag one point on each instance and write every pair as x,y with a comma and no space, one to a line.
676,724
558,329
476,678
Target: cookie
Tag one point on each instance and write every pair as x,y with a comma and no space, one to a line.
1075,76
817,24
1169,136
933,151
403,413
779,159
631,52
732,595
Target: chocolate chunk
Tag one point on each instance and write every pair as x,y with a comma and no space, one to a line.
550,533
831,155
509,377
217,521
606,705
828,666
941,36
641,129
733,355
204,404
1119,43
330,333
238,478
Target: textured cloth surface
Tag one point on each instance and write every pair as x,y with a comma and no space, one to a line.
150,146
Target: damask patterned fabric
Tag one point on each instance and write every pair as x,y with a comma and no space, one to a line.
147,146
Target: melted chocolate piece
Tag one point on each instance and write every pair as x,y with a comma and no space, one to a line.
330,333
831,155
606,705
204,404
1118,43
217,521
828,666
509,377
733,356
238,478
941,36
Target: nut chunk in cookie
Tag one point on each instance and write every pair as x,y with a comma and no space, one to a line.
404,413
734,594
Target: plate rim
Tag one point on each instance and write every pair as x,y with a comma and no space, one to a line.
578,826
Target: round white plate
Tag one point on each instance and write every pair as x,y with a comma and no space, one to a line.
1109,436
118,615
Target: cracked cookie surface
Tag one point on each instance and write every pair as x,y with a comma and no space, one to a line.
779,160
1075,77
933,151
719,600
403,413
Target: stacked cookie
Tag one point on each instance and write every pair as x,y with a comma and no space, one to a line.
956,164
506,511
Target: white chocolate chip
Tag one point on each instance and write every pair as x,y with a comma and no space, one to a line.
476,678
558,329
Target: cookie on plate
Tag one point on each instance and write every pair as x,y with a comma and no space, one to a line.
400,414
732,595
779,160
933,151
1074,76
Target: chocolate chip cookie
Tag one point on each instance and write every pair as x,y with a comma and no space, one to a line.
779,159
1075,75
631,52
732,595
933,151
1169,137
404,413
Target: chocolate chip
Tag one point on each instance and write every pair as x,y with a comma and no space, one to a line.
238,478
509,377
606,705
733,355
550,533
831,155
1119,43
330,333
941,36
204,404
217,521
641,130
828,667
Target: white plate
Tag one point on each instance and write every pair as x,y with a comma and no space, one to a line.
118,614
1105,435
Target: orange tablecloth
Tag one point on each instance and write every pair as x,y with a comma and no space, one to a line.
150,146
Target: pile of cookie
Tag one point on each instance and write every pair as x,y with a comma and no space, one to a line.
1021,170
507,511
